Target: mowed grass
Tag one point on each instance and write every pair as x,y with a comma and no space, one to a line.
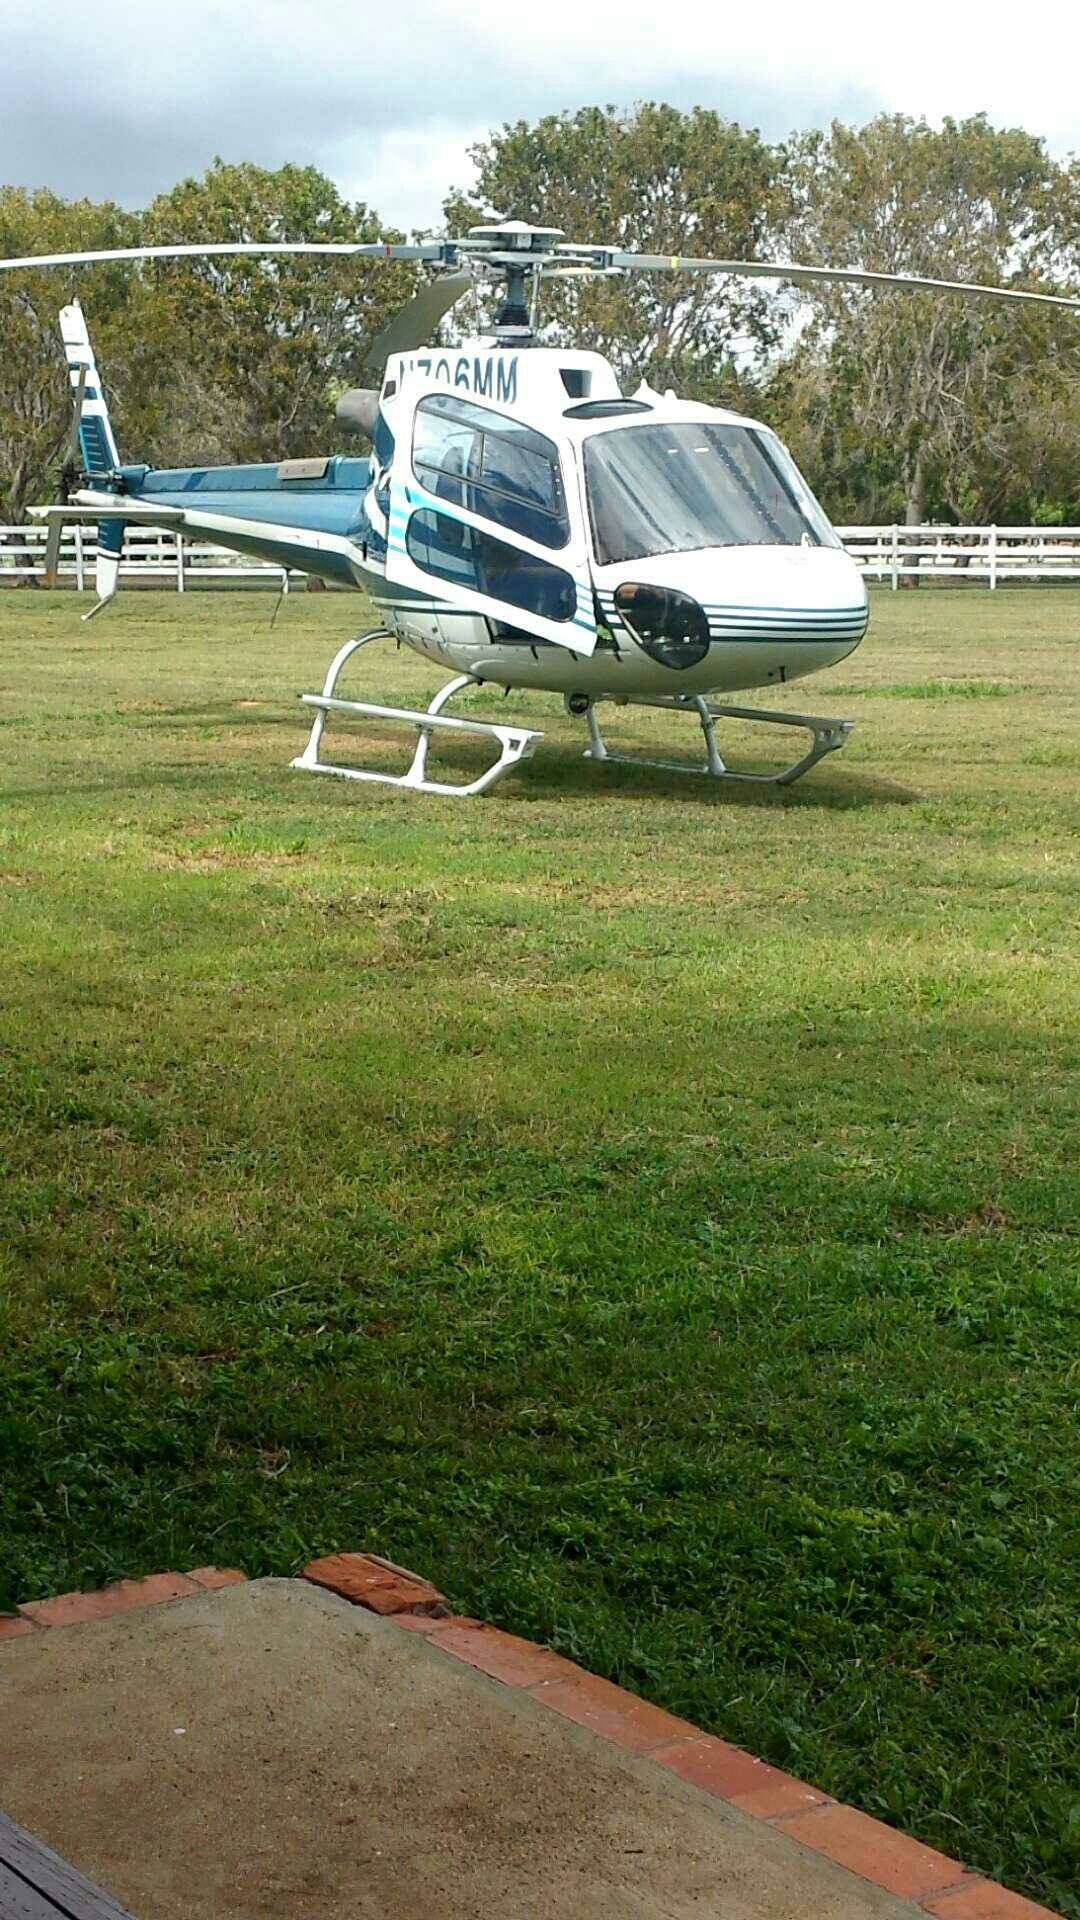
647,1207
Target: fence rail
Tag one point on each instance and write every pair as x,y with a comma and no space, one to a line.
158,556
987,555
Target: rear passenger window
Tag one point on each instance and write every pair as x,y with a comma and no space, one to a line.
468,557
493,466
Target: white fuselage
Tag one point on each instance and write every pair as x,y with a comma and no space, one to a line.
777,609
747,648
525,523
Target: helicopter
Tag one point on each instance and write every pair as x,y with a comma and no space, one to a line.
520,520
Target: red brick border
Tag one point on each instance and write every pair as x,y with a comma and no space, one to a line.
878,1853
124,1596
377,1584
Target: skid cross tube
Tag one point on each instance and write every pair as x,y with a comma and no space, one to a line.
515,743
828,736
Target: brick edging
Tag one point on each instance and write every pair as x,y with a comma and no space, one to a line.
123,1596
880,1854
933,1882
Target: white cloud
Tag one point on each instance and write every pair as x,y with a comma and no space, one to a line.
408,171
121,99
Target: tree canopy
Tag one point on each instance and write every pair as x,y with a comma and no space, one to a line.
222,360
926,403
896,405
273,338
660,181
35,405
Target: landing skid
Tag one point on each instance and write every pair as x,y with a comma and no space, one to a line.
518,743
828,736
515,743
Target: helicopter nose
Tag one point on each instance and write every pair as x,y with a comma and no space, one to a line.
811,597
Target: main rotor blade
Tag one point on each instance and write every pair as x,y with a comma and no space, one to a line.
368,249
843,276
418,319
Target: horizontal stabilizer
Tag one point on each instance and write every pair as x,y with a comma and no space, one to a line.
114,509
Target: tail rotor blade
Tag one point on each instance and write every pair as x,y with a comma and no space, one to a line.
71,467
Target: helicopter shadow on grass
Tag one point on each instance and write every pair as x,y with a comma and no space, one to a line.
559,772
564,770
558,767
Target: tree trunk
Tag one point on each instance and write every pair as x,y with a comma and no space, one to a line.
914,507
13,508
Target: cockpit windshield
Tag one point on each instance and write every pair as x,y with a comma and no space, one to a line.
670,489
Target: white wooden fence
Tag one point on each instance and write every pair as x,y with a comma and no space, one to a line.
158,557
153,556
989,555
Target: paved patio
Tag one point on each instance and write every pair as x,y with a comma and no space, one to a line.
270,1749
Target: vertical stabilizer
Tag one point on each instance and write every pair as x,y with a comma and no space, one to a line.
97,441
110,549
97,444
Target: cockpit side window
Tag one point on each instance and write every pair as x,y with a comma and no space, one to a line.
467,557
675,488
493,466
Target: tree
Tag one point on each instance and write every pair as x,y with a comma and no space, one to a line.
932,389
661,181
202,360
268,340
35,400
1009,452
897,405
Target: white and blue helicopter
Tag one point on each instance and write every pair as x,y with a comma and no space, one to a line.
521,521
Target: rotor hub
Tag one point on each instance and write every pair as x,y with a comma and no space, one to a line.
516,237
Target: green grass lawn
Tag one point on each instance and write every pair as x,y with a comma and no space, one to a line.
647,1207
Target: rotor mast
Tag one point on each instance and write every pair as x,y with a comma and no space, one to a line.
516,253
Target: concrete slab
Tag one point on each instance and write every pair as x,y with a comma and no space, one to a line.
270,1750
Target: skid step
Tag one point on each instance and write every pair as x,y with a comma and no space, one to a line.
827,736
416,716
514,743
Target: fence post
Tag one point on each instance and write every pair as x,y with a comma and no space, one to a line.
179,563
284,579
80,568
993,558
895,556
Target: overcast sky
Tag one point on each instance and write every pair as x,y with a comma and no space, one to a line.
121,99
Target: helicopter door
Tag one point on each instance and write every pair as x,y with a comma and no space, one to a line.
486,514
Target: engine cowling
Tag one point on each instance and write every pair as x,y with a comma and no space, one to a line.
358,409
